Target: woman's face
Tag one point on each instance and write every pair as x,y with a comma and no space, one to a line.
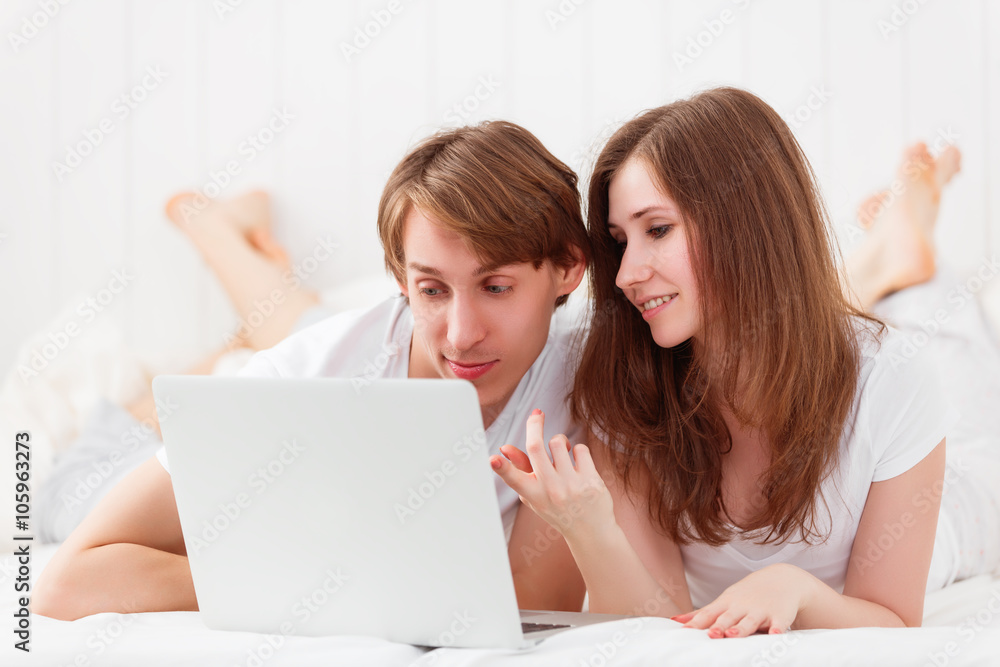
655,273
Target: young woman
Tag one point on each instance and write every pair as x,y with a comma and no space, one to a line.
766,452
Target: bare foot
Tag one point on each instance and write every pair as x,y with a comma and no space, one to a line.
871,207
899,249
249,214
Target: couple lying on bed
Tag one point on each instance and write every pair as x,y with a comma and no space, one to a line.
761,452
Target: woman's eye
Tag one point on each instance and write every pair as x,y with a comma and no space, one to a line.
498,289
660,231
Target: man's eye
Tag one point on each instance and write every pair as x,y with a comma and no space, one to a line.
430,291
498,289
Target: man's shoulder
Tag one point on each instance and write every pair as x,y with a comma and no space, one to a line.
328,347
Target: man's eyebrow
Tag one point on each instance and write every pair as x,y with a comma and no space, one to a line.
424,269
429,270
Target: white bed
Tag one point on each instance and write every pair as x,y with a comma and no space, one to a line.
961,627
961,623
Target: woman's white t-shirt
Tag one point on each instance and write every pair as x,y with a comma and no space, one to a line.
374,343
900,416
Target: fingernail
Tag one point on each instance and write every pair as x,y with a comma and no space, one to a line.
536,412
496,463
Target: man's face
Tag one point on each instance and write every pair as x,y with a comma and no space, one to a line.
482,324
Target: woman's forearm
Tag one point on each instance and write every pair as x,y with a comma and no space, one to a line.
826,608
617,580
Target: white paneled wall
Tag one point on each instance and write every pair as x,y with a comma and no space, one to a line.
569,70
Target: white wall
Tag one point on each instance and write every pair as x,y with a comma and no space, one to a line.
568,80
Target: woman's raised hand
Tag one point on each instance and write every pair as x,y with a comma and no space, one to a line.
572,498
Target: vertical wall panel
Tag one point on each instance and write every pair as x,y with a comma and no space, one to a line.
94,115
315,192
165,159
238,105
708,44
945,99
629,71
785,67
27,246
551,67
568,72
394,106
867,113
991,156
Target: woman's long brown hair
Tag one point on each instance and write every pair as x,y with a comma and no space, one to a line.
781,349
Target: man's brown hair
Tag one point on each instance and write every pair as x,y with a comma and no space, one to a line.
496,186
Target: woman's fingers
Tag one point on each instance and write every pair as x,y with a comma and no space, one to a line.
684,618
724,622
559,446
703,618
515,479
517,457
780,624
747,626
535,447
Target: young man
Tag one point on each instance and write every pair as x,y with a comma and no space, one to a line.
482,230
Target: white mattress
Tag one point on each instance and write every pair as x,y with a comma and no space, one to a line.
961,627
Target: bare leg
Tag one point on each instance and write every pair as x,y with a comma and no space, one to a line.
144,407
234,239
899,249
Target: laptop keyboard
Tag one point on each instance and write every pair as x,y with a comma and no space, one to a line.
539,627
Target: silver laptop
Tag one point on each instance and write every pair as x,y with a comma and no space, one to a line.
332,507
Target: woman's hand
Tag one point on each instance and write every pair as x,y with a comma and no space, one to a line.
767,600
573,499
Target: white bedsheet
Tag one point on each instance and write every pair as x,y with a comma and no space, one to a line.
963,621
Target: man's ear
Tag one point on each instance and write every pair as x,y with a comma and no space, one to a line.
402,288
571,275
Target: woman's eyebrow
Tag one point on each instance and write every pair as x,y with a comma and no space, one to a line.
643,211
